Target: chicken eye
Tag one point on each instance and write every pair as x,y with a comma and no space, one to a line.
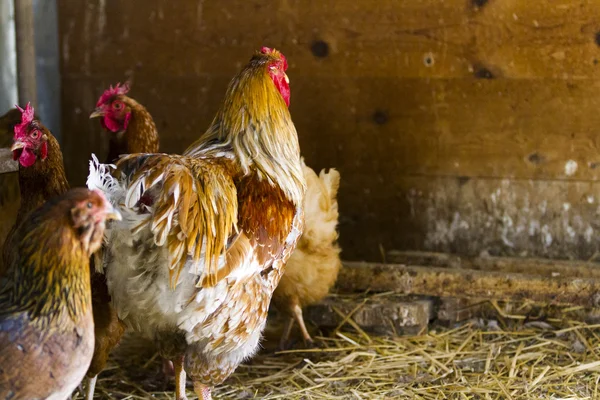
35,134
117,105
89,204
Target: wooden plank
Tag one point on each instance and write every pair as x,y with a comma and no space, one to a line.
532,266
381,207
388,315
414,38
513,129
25,46
421,159
447,282
503,128
551,219
455,309
7,164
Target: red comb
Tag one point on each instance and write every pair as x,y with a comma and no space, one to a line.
268,50
26,118
111,92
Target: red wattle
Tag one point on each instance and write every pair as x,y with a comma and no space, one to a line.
283,88
27,158
44,151
114,125
111,124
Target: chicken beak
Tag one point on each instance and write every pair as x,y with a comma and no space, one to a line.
17,145
98,112
287,80
112,213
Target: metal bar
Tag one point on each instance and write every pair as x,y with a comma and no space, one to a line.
451,282
26,64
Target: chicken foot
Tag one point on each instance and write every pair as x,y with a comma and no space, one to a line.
289,324
285,336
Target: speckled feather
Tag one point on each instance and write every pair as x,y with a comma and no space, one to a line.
193,209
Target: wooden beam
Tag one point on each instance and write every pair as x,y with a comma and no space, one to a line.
450,282
7,164
532,266
26,63
389,315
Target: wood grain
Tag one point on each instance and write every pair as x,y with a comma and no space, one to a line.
513,265
382,212
388,315
514,129
430,109
430,38
449,282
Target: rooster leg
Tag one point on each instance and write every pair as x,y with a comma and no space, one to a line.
285,335
202,391
298,315
179,379
90,387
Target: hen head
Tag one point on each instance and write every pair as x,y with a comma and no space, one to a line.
277,65
30,140
88,214
113,108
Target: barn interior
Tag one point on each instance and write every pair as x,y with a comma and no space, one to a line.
466,136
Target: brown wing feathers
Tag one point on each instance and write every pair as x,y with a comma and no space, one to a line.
194,212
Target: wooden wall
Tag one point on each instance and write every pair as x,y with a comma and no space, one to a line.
457,125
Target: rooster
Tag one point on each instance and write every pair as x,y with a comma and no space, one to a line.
205,236
313,267
131,129
46,325
41,170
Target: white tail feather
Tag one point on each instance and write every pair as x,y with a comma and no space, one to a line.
100,178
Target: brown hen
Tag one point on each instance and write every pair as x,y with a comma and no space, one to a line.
46,325
41,170
313,267
131,129
130,126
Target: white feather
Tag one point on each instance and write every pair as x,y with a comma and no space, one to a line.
100,178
